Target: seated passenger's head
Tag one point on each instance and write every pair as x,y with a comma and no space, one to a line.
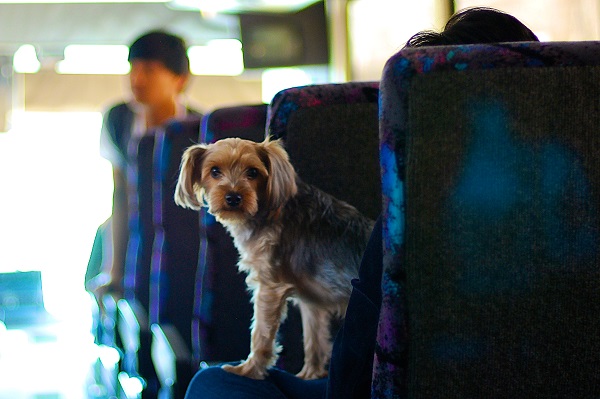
476,25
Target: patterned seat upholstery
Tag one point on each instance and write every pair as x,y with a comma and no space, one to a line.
141,231
174,262
491,230
176,244
131,314
330,132
222,310
205,310
132,310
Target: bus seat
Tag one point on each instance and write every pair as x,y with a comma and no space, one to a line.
221,319
120,315
136,281
132,310
491,231
221,309
331,134
174,254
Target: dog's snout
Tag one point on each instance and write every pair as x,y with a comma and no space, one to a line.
233,199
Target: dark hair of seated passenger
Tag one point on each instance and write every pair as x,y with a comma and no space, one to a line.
476,25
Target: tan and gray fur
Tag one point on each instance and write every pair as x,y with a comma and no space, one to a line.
295,242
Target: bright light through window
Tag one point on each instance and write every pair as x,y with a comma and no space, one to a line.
375,35
216,6
277,79
25,60
94,59
56,191
79,1
218,57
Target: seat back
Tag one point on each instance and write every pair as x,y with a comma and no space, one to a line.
176,243
491,184
331,134
223,311
136,278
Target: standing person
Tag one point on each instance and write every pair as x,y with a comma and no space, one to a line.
351,363
159,74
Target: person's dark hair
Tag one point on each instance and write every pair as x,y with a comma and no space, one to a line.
164,47
476,25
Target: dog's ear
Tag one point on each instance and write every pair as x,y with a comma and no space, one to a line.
281,182
190,174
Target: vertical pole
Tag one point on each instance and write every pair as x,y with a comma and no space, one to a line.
444,10
337,24
7,92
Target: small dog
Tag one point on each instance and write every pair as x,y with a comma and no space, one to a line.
295,241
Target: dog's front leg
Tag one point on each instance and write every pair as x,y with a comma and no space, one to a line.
270,301
317,342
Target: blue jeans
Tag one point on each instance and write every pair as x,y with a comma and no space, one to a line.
216,383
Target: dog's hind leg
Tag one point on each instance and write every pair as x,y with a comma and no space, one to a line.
317,342
270,302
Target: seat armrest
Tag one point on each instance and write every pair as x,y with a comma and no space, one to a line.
108,319
171,358
95,328
133,322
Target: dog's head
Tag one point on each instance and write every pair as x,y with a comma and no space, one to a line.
236,179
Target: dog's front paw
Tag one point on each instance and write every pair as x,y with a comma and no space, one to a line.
247,369
311,373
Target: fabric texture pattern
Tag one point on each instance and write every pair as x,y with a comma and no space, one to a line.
491,234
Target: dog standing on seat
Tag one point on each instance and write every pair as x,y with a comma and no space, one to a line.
294,240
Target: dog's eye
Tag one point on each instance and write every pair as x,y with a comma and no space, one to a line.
252,173
215,172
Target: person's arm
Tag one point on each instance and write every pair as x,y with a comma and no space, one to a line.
115,124
119,230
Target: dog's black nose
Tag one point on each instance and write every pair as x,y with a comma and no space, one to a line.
233,199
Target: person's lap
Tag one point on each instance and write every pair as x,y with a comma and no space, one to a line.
214,382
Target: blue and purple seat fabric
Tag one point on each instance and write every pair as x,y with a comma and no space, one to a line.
173,265
315,122
136,281
131,318
330,133
491,222
222,307
176,244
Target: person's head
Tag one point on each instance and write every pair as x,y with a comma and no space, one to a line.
160,67
473,26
